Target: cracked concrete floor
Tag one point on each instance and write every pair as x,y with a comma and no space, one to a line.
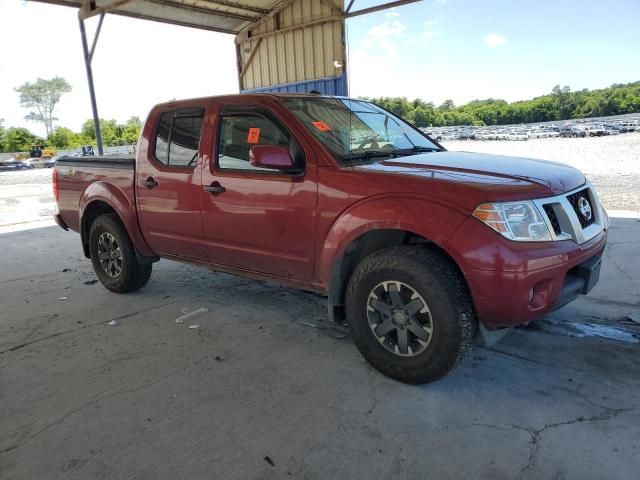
254,393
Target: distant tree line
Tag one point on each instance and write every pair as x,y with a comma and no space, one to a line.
560,104
18,139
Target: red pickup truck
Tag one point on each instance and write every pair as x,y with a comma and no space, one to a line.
414,246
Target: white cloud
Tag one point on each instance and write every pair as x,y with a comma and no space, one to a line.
494,40
430,23
380,40
392,13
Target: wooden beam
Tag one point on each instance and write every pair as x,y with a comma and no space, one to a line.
377,8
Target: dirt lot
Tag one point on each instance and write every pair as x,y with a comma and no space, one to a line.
611,163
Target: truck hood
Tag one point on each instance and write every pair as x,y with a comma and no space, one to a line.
469,167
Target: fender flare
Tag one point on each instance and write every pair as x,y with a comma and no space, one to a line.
125,209
429,219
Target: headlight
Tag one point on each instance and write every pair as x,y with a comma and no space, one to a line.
519,221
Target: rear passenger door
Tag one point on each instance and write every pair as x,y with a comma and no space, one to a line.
168,183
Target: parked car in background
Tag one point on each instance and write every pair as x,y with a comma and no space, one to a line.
572,131
36,162
14,164
574,128
51,162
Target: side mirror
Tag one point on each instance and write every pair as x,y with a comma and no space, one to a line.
274,157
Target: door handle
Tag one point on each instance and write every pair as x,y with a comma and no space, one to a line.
215,187
149,183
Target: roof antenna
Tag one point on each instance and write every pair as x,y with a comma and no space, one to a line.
315,92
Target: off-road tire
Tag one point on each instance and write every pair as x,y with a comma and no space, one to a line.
438,281
133,275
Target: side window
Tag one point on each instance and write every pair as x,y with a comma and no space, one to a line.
162,137
178,137
185,137
239,132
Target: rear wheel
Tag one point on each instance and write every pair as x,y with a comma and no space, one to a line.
410,314
113,256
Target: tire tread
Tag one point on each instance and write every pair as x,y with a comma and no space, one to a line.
415,260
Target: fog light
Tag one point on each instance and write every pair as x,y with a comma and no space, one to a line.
531,293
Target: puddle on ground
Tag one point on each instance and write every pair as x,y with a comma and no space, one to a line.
583,329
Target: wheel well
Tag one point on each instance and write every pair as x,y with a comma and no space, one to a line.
93,211
362,247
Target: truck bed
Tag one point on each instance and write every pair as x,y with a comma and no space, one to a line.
105,161
97,177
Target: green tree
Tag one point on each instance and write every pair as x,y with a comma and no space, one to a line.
43,95
560,104
110,130
64,138
131,131
113,133
447,105
2,133
19,139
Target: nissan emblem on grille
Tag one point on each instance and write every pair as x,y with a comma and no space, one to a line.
585,208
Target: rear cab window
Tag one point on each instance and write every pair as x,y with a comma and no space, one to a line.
178,137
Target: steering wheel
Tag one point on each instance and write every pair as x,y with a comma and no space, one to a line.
371,142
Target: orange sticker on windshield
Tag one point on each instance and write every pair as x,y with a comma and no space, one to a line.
253,136
323,127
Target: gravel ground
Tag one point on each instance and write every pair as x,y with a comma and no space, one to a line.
611,163
37,176
26,199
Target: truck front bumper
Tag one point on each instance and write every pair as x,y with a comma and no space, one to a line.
513,283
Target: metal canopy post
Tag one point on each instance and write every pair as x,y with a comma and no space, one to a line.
88,56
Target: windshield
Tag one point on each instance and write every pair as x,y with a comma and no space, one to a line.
358,130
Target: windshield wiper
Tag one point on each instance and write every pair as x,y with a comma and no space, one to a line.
366,155
415,149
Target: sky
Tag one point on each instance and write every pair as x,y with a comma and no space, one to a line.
434,50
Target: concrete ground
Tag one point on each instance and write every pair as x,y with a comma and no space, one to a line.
263,389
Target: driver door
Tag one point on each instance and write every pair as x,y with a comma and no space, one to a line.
258,219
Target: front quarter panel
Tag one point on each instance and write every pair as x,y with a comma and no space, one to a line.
429,220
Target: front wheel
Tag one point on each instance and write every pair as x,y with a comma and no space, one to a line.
410,313
113,256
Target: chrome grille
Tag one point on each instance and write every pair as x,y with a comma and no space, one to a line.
575,199
553,218
565,218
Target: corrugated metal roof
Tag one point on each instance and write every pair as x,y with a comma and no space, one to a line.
228,16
